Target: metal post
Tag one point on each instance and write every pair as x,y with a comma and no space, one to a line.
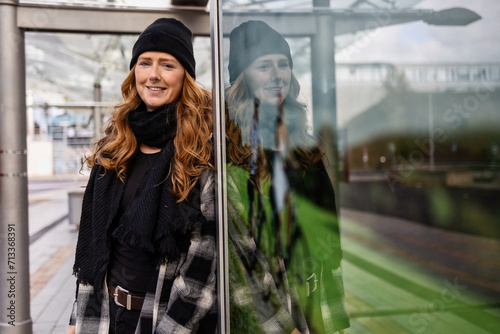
431,131
324,93
14,238
220,163
323,69
97,110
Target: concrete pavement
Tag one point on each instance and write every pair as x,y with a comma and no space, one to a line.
52,249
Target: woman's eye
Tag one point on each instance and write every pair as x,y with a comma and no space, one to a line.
167,65
144,63
263,67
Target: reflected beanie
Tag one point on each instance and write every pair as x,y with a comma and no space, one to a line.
167,35
249,41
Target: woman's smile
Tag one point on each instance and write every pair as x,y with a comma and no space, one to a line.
269,77
159,78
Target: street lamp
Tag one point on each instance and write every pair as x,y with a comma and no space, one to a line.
452,17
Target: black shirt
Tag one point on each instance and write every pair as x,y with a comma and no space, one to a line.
130,267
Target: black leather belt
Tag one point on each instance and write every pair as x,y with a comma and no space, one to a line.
124,298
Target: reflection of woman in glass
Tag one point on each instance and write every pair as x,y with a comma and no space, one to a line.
285,266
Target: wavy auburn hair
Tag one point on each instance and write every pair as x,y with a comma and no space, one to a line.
240,106
241,103
193,153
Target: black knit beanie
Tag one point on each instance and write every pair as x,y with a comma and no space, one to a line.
249,41
167,35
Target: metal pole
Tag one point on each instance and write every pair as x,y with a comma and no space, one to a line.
324,93
431,131
323,69
220,162
97,110
14,238
323,74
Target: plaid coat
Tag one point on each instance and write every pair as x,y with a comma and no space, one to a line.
310,297
181,300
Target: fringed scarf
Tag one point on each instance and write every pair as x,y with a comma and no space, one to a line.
153,222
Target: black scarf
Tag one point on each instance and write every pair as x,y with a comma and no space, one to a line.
150,127
154,222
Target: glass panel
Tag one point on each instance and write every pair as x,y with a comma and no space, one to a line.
284,238
368,199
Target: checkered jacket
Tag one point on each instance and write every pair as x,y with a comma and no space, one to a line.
181,300
274,301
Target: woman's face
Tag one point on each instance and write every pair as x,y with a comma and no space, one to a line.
268,78
159,77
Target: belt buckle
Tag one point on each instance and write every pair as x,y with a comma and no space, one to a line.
129,297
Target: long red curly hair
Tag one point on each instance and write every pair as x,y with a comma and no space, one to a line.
193,153
239,112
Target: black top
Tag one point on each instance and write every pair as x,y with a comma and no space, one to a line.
130,267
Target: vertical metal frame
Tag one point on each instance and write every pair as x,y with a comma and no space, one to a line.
14,239
220,163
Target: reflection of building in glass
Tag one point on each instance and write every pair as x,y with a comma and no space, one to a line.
449,109
446,75
417,127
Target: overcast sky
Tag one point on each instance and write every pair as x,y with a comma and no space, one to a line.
419,42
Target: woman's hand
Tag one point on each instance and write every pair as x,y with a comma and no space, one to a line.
71,330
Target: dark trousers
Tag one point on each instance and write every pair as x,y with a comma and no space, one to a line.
121,320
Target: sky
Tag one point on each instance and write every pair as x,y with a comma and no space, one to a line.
419,42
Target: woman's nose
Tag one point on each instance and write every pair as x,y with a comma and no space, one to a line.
276,73
153,74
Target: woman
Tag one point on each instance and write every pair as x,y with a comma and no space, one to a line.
145,258
286,255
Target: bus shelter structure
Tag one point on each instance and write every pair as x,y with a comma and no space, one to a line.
320,24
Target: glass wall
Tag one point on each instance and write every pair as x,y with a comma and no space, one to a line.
362,166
